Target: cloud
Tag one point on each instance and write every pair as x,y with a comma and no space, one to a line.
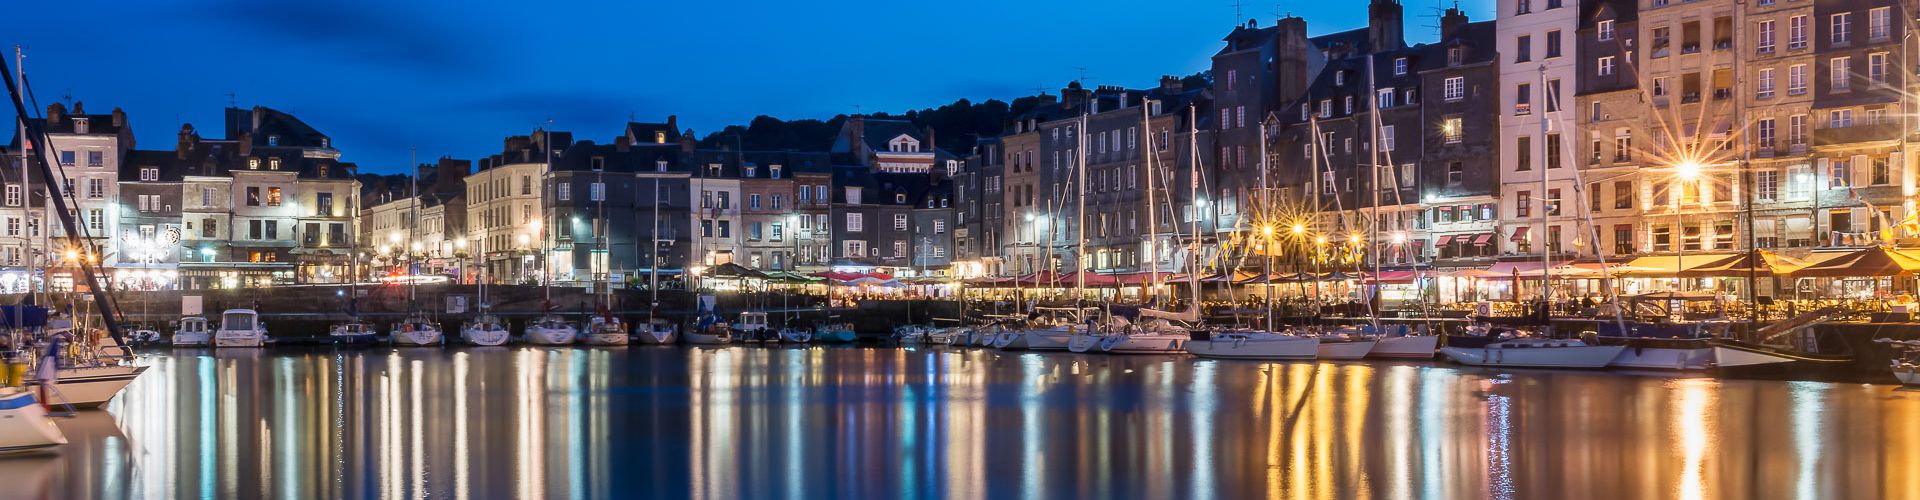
353,30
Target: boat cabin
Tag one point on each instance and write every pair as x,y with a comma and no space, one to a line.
239,320
193,324
751,321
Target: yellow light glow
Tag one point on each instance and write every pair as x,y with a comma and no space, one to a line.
1267,230
1399,238
1687,170
1298,228
1354,238
1320,240
73,255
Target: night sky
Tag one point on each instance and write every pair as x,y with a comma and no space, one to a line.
454,78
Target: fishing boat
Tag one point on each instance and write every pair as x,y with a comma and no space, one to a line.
353,332
1905,361
835,332
659,331
551,329
607,330
240,328
1256,345
1535,353
24,426
752,327
192,332
485,330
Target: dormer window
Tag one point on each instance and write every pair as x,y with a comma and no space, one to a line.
1399,66
273,164
322,171
659,137
899,197
1454,55
1340,77
713,170
751,170
149,174
660,165
273,140
80,125
598,163
773,171
903,144
325,142
253,164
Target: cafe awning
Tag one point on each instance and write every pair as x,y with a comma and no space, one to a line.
1760,262
1872,261
1670,265
1483,239
1520,233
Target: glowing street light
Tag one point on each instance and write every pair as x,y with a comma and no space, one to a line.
1267,231
1399,238
1687,170
1354,238
1299,229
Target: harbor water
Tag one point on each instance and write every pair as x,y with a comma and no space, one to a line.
857,422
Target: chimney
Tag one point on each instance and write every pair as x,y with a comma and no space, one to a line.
686,142
55,113
1171,84
79,108
1074,95
1452,20
119,118
931,143
246,143
187,141
673,123
623,144
259,114
1384,28
856,131
1290,60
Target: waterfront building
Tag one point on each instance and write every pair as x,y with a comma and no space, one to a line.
716,221
813,201
1612,109
772,214
1460,143
88,150
1862,181
1023,217
1537,75
1777,62
505,232
1257,74
151,228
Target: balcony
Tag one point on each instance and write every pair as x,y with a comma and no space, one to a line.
1856,134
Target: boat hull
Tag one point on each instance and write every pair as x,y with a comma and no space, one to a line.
93,386
709,338
1145,344
1047,340
239,339
840,336
1346,349
796,336
1908,373
1535,357
192,340
657,337
1084,343
1010,341
416,338
479,337
1688,354
608,339
1407,347
24,426
549,336
1281,348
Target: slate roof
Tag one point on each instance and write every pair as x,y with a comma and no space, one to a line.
264,123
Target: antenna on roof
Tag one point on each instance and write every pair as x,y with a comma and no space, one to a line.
856,110
1083,75
68,96
1040,89
231,101
1439,11
1237,17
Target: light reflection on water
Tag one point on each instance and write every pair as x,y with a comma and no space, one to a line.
885,423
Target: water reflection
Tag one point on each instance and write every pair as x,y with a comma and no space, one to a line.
850,422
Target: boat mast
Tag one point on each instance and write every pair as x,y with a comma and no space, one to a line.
546,285
26,182
1193,196
1153,241
413,221
1373,167
1080,219
653,262
1546,255
1266,208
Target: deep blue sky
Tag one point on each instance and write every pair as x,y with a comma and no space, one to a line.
453,78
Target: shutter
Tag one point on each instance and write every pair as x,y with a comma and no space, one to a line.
1821,172
1861,170
1860,215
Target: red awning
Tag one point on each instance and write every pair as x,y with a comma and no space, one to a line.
1520,233
1483,239
1394,277
1445,239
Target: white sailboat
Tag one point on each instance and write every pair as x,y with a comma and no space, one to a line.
24,426
240,328
711,330
1346,343
551,329
417,330
485,330
1535,353
659,331
1414,345
607,330
1256,345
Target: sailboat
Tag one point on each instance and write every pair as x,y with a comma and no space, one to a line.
353,331
485,329
24,426
417,329
1079,321
1156,331
711,329
1906,361
551,329
659,330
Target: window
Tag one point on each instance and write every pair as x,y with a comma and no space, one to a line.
1456,173
899,222
13,226
1623,145
1662,37
1450,129
598,191
726,229
323,204
1340,77
273,229
96,188
1604,67
1837,173
206,197
1763,86
1840,27
1797,33
1452,89
1552,96
1797,79
1763,133
1553,44
149,174
1662,86
96,159
1623,195
1662,236
1455,55
563,191
96,219
1522,98
66,158
1522,204
1837,68
939,226
209,227
1797,130
1605,29
253,196
13,195
1763,39
1399,66
1384,98
1877,20
273,196
1553,202
1840,118
1766,185
1523,48
1522,6
1523,153
1879,172
1877,67
1553,151
1386,138
856,222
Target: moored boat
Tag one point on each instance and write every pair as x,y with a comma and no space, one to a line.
92,386
352,332
659,331
1905,361
485,330
192,332
551,329
835,332
607,330
240,328
416,331
24,426
1255,345
1535,353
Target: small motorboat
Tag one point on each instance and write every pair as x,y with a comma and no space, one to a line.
1535,353
192,332
796,335
1906,360
910,334
24,426
550,329
353,332
417,331
240,328
659,331
607,330
485,330
1256,345
752,328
